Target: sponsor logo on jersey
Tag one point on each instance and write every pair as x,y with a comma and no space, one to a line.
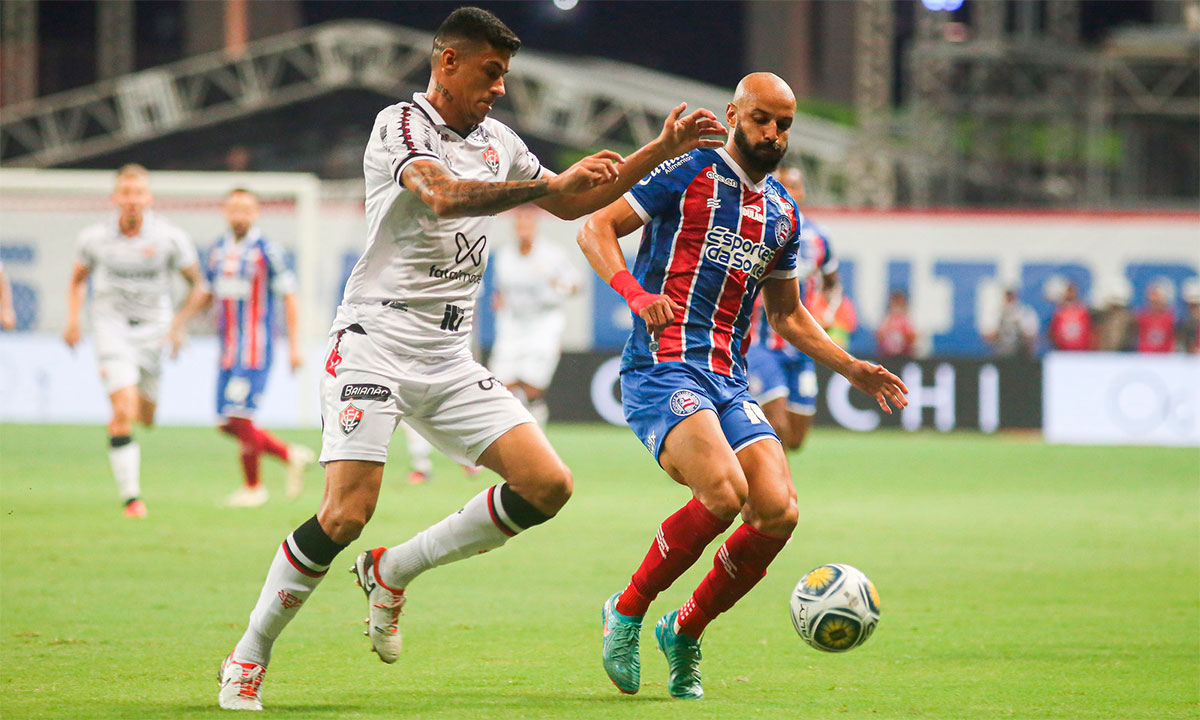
783,228
365,391
469,249
714,175
453,317
439,273
492,159
349,419
713,203
754,213
727,248
684,402
666,167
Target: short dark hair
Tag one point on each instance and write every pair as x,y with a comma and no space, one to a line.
477,25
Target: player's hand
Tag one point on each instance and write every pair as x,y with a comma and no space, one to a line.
683,134
71,335
657,311
176,339
876,381
592,171
297,359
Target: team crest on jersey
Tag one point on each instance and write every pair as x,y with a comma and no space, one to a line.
492,158
684,402
349,419
783,228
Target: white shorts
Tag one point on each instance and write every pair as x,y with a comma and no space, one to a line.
454,403
530,360
130,355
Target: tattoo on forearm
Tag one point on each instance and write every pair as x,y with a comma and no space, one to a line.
441,89
471,196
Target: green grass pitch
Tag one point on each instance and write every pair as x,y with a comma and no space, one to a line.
1018,580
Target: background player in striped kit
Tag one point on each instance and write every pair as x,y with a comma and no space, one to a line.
782,379
247,274
129,258
718,229
436,169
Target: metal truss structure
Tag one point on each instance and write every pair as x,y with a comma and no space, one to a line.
582,104
1039,120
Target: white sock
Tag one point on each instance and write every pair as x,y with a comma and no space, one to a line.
466,533
419,451
126,463
284,591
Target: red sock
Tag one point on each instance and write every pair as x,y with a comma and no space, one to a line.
272,445
680,540
243,429
740,563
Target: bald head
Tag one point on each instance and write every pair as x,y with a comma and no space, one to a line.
761,115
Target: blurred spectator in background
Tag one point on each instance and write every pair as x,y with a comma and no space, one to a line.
1156,322
8,316
1189,327
1071,325
1016,329
896,335
238,159
1116,330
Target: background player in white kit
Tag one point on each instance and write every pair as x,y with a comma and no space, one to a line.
436,168
130,258
533,281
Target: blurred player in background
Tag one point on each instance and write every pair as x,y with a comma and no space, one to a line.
8,316
437,168
1070,327
782,379
130,258
896,336
718,229
1189,326
533,281
247,273
1156,321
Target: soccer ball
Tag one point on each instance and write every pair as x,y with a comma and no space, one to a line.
835,608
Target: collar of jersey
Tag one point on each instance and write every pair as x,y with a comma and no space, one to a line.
756,187
435,116
252,236
147,217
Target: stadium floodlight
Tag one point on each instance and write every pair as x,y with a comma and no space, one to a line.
566,4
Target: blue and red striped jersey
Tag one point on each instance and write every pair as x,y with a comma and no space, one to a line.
245,278
816,259
711,237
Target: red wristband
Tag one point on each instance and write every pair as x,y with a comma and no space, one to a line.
626,285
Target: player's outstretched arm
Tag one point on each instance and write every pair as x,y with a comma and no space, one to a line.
679,135
788,316
75,292
449,197
598,238
197,300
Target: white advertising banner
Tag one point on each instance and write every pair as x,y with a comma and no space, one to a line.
1121,399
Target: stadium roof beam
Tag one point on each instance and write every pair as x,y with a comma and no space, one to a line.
581,103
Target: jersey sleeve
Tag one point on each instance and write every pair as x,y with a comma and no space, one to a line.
279,275
85,251
407,135
525,165
787,267
210,263
183,253
659,191
829,261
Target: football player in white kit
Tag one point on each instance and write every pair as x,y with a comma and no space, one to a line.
436,168
130,258
533,281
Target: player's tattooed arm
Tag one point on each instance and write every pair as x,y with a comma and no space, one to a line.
75,292
448,197
788,317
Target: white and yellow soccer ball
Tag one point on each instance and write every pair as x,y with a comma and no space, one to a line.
835,608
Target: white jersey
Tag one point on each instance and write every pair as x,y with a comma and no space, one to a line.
414,287
131,276
533,286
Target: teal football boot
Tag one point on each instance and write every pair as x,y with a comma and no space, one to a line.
620,648
683,659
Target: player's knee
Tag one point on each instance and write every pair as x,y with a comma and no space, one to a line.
345,523
554,489
777,519
726,496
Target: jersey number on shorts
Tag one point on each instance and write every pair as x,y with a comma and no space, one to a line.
753,412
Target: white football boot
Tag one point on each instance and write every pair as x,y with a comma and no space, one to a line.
384,607
245,497
241,685
299,458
